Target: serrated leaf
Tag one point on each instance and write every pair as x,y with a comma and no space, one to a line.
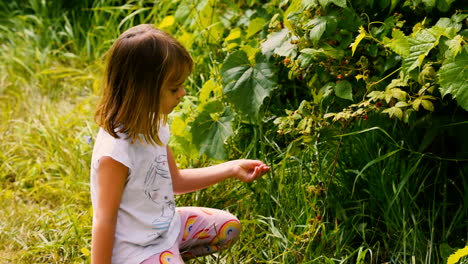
394,112
344,90
319,26
398,43
420,45
274,41
210,135
287,49
453,78
396,83
246,85
427,74
454,46
361,36
255,26
376,95
325,3
388,96
398,94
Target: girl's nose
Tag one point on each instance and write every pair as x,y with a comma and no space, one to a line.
181,92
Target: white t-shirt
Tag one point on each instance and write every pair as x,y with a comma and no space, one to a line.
146,223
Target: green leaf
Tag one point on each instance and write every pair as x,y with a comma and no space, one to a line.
376,95
287,49
211,128
274,41
325,3
340,3
452,78
398,43
454,46
429,3
294,6
394,112
420,45
427,105
401,104
362,34
255,26
416,103
233,35
398,94
344,90
319,26
246,85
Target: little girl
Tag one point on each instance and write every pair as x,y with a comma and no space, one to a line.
133,172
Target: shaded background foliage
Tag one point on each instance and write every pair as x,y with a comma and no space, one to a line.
359,106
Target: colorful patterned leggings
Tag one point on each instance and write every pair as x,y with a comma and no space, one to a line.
203,231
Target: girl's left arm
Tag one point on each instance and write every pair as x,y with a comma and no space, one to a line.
190,180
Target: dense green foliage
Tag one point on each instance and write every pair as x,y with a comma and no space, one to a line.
359,106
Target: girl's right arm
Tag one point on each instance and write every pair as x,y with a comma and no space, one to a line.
111,178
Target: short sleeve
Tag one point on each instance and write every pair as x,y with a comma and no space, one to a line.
118,149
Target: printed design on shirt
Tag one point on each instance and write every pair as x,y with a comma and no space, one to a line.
158,175
228,231
189,225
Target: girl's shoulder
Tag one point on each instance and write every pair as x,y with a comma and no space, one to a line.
120,149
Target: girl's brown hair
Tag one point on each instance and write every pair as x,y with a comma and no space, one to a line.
140,62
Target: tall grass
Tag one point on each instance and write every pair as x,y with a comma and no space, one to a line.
402,204
367,196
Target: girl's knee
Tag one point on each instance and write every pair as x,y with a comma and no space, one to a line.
228,231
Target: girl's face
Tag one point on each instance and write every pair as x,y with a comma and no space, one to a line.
171,95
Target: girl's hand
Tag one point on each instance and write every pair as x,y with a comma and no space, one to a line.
248,170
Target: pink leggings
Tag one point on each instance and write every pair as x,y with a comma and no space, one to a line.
203,231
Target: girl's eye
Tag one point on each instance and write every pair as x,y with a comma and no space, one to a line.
175,90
